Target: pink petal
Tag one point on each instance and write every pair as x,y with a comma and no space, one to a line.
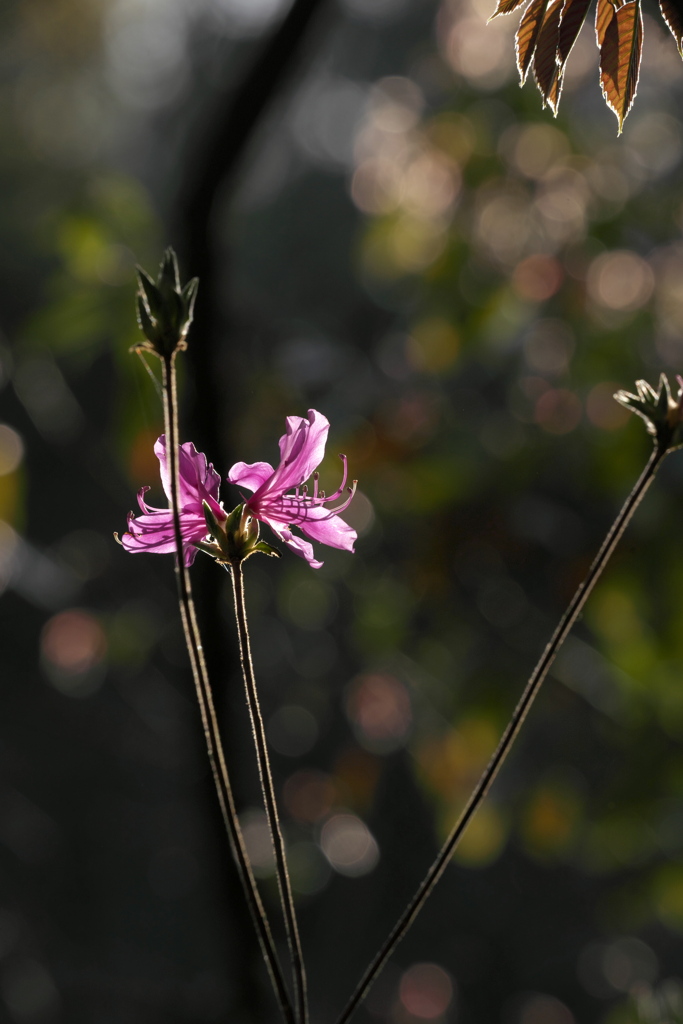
155,535
301,451
298,545
250,475
198,480
333,531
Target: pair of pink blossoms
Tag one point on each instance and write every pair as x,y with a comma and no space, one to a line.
302,449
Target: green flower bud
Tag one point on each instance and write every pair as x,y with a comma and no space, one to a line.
236,538
165,310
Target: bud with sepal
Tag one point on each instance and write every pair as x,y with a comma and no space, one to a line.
165,310
662,413
234,539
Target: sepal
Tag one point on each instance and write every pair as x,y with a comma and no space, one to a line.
266,549
145,322
235,538
189,294
212,524
169,275
149,295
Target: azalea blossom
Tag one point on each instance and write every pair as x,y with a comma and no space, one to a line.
197,482
281,498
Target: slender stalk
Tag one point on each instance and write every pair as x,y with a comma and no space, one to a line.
284,883
207,709
519,714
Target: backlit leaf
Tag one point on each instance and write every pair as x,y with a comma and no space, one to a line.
622,43
527,35
506,7
672,12
545,56
573,17
553,97
604,13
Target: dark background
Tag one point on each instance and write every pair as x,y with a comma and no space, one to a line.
389,230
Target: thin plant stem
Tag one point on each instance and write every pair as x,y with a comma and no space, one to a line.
270,804
208,713
519,714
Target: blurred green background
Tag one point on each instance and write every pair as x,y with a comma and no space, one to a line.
389,230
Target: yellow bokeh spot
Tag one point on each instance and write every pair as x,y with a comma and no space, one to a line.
143,464
10,496
614,614
483,840
454,135
402,245
433,345
90,254
549,820
668,895
451,764
625,631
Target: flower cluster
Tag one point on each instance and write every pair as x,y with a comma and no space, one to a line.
280,499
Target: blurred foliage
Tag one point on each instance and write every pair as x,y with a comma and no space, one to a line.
460,284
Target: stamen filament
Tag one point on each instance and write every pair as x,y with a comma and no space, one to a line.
292,508
342,486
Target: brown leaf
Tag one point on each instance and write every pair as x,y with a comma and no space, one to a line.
672,12
573,16
506,7
527,35
545,54
604,13
622,44
553,97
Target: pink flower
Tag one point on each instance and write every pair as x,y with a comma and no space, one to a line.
198,482
301,451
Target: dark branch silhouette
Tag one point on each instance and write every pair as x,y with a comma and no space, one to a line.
212,159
